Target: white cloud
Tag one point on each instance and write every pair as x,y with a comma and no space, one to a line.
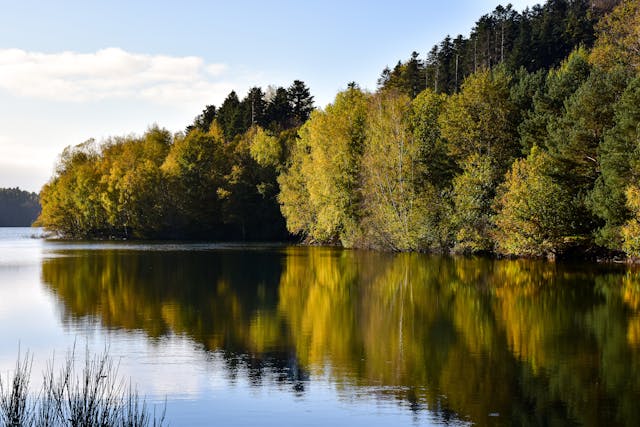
111,74
216,69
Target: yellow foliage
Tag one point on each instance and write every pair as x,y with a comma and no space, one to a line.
479,119
618,38
631,229
633,332
265,149
489,335
532,209
394,194
319,192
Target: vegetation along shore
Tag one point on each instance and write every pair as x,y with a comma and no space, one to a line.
93,394
521,139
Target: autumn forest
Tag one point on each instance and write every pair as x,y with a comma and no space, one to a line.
521,139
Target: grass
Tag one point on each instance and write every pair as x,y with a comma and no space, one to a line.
94,395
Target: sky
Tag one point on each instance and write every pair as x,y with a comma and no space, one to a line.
75,70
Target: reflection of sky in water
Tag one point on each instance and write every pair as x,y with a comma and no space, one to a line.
19,247
197,384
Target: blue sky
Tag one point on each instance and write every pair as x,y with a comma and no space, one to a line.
72,70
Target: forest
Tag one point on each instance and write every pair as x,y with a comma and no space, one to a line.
18,208
521,139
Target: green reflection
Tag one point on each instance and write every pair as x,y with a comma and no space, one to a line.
531,342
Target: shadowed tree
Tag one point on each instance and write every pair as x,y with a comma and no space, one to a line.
301,102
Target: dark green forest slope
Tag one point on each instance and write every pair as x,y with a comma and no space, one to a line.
18,208
520,139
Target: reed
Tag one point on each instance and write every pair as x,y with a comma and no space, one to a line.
92,395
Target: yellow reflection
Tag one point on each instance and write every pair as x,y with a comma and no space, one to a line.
528,340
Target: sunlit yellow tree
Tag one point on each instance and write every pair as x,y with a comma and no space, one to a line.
396,195
320,193
533,211
618,37
478,124
71,204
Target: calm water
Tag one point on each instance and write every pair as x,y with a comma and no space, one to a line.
272,335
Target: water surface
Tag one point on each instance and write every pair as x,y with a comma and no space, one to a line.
276,335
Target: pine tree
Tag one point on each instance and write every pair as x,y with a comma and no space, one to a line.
230,117
301,102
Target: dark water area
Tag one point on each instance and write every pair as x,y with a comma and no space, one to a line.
281,335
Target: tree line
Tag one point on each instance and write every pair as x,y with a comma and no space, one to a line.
215,180
522,155
540,37
18,208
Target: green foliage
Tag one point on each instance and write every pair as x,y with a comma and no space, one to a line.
577,134
195,169
407,168
523,92
266,149
619,155
230,117
473,193
407,78
439,168
294,195
301,102
479,127
479,121
248,193
533,210
549,99
253,108
71,202
538,38
159,185
575,138
397,203
630,231
279,112
203,120
132,184
322,184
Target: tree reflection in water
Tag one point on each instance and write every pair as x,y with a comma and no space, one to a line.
530,341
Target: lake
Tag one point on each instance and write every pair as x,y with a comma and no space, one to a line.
245,335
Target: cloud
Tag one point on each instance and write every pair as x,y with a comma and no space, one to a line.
111,73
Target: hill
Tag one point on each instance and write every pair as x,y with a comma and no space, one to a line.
18,208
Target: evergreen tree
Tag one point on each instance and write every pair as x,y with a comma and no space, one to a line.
619,155
549,100
279,114
203,120
230,117
301,102
254,108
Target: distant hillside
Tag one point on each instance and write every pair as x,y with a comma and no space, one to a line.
18,208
